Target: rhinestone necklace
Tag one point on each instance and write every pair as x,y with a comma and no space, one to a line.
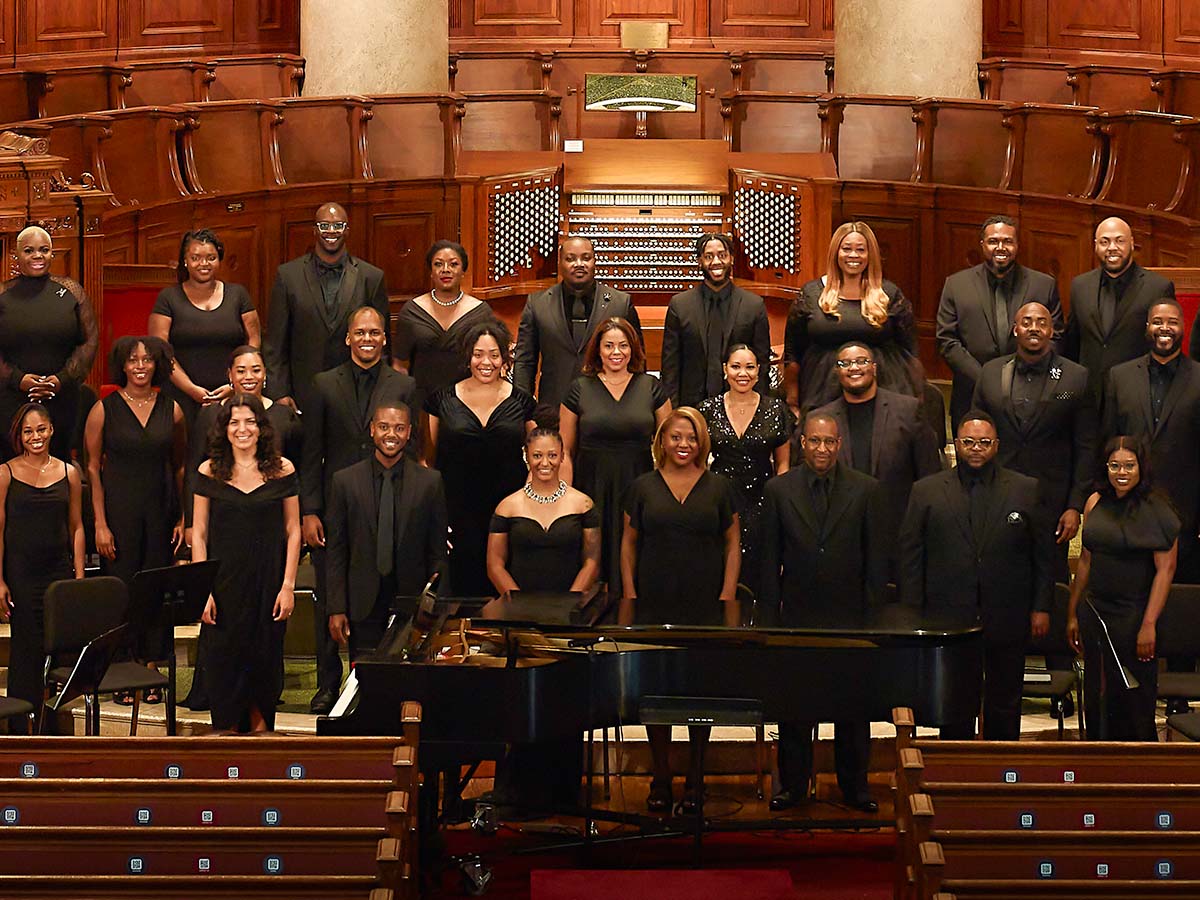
538,498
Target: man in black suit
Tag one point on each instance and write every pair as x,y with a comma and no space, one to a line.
975,314
970,547
1109,306
1046,424
883,435
703,321
311,301
336,435
557,323
386,533
821,565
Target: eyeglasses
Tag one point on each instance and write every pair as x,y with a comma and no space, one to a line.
1122,466
331,227
976,443
829,442
860,362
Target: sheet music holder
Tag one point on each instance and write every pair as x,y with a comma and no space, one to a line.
84,680
170,596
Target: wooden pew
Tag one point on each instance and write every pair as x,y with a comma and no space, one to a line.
1113,87
872,137
1179,90
75,138
791,71
1186,201
1024,80
1054,149
162,82
255,77
339,154
20,95
1144,159
1064,889
414,135
137,160
962,142
512,121
501,70
772,122
192,887
230,145
80,89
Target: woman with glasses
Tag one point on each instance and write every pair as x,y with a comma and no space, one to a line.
1130,543
203,319
750,435
852,301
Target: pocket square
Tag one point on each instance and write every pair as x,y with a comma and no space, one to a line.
1015,518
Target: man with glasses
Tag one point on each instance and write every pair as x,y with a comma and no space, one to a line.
1109,306
311,301
703,321
971,549
885,435
822,565
975,314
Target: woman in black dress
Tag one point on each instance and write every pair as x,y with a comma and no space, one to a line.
749,433
136,443
48,340
608,419
429,328
1130,543
247,516
680,557
41,540
477,429
546,536
204,319
851,302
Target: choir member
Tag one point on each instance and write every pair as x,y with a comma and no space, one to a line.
557,326
608,419
477,430
680,559
204,319
48,340
852,301
749,433
41,540
247,516
1125,570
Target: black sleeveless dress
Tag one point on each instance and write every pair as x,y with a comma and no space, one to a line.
545,559
245,648
37,551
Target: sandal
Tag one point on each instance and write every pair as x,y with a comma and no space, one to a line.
153,695
123,698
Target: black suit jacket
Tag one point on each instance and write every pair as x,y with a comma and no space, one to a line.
302,337
1174,443
902,450
1010,572
1097,352
545,333
685,350
335,433
352,529
820,572
967,332
1057,444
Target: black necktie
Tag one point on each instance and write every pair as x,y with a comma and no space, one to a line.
978,512
822,499
1108,304
1000,301
363,390
578,319
714,384
384,549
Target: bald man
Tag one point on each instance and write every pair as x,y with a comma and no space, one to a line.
311,303
1109,306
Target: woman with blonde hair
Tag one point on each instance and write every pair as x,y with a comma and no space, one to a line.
851,302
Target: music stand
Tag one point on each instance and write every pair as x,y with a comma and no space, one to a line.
170,596
84,680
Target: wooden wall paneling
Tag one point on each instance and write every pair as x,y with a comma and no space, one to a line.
518,23
8,33
1181,28
261,25
1056,238
687,20
19,95
1125,26
150,26
321,139
401,238
54,29
1013,25
769,22
407,135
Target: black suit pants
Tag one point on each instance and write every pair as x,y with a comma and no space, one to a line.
1114,712
851,754
1003,679
329,663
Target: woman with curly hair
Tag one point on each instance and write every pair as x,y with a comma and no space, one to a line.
247,515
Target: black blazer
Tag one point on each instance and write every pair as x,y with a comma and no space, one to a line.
1057,444
809,566
1174,444
1096,352
685,350
545,333
1006,577
967,331
302,337
902,450
352,529
335,433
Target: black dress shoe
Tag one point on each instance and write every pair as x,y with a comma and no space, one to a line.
1176,707
785,800
690,804
322,703
863,804
659,800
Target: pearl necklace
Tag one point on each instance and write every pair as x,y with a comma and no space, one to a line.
539,498
434,297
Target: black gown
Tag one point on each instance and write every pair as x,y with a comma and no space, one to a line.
545,559
435,355
812,339
37,551
748,462
245,648
1122,537
680,549
612,449
480,466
